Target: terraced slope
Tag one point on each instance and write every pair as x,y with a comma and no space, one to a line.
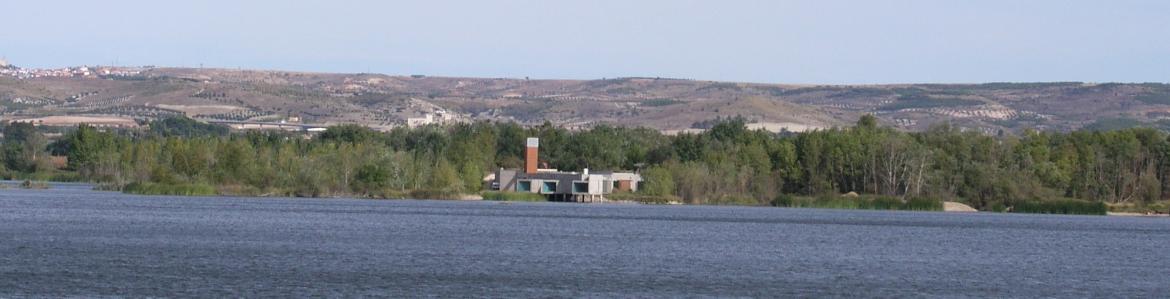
665,104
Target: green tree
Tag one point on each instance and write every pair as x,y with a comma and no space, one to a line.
658,181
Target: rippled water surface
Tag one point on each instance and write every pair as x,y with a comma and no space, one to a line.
69,241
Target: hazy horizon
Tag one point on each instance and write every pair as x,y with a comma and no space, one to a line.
792,42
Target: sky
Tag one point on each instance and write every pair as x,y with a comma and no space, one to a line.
797,42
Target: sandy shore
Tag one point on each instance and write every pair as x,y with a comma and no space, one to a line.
950,206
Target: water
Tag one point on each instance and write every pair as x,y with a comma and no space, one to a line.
69,241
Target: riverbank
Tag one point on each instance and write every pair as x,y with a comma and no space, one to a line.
1153,209
843,202
25,184
1132,214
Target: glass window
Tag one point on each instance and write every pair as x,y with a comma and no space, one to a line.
580,187
524,186
549,187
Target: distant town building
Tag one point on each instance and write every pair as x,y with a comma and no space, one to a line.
426,119
8,70
438,117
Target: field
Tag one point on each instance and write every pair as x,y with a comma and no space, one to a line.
75,120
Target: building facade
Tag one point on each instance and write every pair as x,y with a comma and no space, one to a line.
562,185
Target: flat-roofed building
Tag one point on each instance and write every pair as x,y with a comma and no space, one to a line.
562,185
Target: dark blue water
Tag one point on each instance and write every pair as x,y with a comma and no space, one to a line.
69,241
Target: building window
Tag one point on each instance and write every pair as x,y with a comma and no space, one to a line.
580,187
549,187
524,186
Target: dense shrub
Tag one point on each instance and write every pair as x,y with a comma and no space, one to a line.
784,200
181,126
922,204
734,200
34,185
644,198
433,194
513,196
144,188
862,203
1060,206
886,203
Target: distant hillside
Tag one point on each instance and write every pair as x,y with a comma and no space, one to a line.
665,104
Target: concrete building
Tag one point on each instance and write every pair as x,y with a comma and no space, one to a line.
560,185
414,122
437,117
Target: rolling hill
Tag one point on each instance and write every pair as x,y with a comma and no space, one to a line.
383,101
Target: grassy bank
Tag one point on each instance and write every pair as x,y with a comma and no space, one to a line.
169,189
1049,206
201,189
1158,207
434,194
408,194
513,196
44,176
862,202
27,184
859,203
1060,206
644,199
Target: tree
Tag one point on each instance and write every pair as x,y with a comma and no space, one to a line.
444,178
86,145
349,133
658,181
181,126
371,177
867,122
24,148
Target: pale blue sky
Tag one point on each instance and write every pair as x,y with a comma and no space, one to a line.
759,41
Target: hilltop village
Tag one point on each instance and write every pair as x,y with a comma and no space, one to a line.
8,70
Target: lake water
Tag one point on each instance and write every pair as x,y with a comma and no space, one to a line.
69,241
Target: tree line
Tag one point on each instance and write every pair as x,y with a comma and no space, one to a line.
727,164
